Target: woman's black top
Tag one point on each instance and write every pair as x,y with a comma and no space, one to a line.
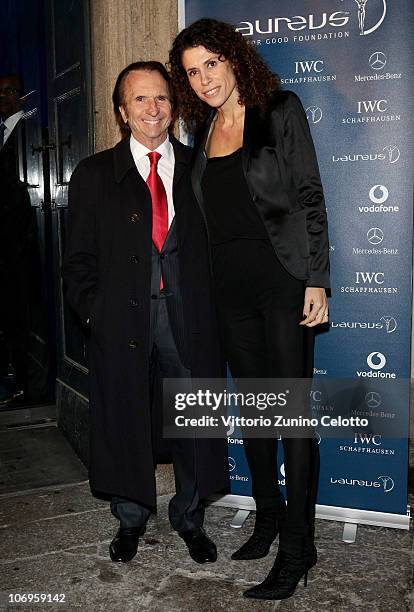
245,264
230,211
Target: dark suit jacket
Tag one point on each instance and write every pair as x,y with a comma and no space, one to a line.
9,155
107,270
282,174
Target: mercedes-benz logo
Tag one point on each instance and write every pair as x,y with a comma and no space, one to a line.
314,114
377,60
376,360
387,483
378,199
232,464
375,235
393,153
390,324
373,399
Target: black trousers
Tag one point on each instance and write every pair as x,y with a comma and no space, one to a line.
259,307
186,510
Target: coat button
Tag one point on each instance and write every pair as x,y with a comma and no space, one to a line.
154,296
163,256
133,302
134,259
132,344
135,217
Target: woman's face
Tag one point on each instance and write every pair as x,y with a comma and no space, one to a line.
211,79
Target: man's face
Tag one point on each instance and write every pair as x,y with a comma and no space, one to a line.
9,96
147,107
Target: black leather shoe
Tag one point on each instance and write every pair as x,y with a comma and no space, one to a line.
124,546
266,528
200,547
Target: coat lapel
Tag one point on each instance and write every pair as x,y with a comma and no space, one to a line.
123,160
249,133
182,155
200,160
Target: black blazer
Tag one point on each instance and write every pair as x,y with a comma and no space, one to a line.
282,175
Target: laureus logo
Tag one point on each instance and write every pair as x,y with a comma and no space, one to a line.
232,464
393,153
369,11
387,483
314,114
390,324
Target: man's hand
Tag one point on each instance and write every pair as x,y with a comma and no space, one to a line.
315,307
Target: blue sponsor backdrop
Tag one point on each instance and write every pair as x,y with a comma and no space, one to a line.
348,60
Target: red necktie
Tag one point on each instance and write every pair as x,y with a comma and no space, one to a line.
159,203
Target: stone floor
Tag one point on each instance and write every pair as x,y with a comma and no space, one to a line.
55,540
32,457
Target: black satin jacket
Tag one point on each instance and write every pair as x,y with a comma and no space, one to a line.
282,174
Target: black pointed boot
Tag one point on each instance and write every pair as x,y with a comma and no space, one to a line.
266,528
283,579
285,574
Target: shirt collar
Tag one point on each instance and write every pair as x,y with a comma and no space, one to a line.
11,121
139,150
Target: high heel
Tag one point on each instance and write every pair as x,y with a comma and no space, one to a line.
266,528
284,577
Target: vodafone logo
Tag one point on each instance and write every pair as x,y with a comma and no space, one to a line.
378,194
376,360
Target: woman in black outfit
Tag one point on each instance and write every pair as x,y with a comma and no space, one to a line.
256,178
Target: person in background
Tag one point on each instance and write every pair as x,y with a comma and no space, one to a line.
18,249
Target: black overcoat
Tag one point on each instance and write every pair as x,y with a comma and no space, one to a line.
107,270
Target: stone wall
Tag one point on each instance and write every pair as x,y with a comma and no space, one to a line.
124,31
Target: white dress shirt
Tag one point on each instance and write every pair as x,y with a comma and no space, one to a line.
165,167
11,123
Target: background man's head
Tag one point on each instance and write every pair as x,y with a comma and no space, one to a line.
143,102
10,93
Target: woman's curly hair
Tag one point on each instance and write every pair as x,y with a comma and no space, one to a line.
256,83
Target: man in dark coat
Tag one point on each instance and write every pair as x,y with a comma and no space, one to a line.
18,246
137,272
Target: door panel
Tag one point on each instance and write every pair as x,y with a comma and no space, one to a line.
69,134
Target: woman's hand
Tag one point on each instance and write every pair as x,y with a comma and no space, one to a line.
315,308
